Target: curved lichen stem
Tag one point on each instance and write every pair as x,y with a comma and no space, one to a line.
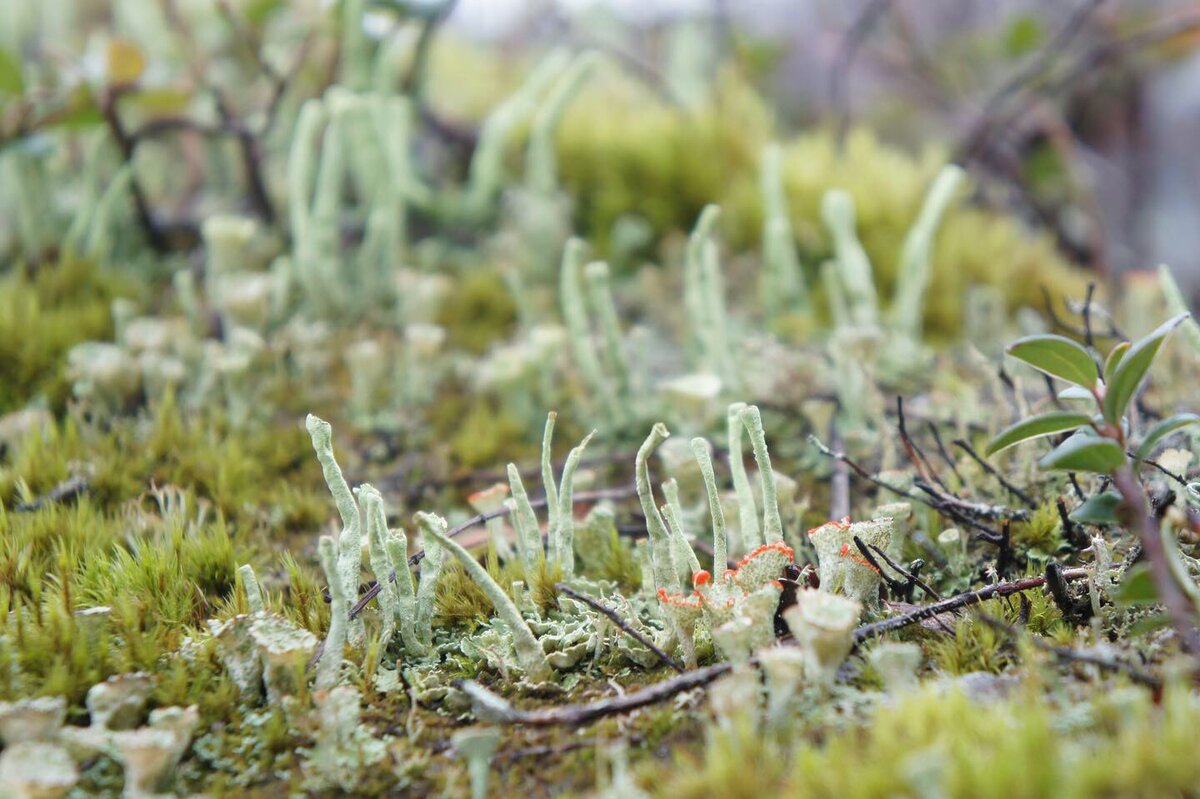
529,651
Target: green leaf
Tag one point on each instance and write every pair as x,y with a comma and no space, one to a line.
1129,372
1098,509
11,80
1081,453
1138,587
1058,357
1034,427
1162,430
1150,624
1114,359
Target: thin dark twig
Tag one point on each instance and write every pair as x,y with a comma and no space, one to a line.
915,455
492,708
895,585
1178,478
1075,486
864,474
985,532
905,573
65,491
127,145
1074,655
941,446
1071,530
956,602
990,117
616,619
966,447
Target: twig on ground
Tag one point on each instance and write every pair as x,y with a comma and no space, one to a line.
625,626
492,708
956,602
1069,655
965,446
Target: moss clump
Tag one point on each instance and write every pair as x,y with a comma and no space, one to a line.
935,743
262,476
43,313
478,313
1042,535
623,151
975,646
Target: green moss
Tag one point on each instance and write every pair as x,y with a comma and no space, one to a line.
44,314
484,436
479,312
1041,536
975,646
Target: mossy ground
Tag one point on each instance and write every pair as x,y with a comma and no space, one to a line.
147,509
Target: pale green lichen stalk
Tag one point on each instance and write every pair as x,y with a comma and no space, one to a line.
529,651
854,274
748,527
915,268
772,528
665,575
703,452
781,284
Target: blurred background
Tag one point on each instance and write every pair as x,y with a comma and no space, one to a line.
1084,115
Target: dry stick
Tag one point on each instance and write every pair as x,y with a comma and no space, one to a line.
582,496
915,455
492,708
937,439
1077,537
957,510
625,626
1021,80
126,145
1074,655
948,505
905,573
876,629
895,585
1179,607
987,467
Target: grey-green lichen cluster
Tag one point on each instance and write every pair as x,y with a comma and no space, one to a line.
182,608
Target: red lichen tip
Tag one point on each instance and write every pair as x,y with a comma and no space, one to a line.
701,577
841,524
693,602
777,546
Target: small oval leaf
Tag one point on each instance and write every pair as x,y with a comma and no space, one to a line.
1114,359
1162,430
1035,427
1129,372
1081,453
1098,509
1138,587
1057,356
